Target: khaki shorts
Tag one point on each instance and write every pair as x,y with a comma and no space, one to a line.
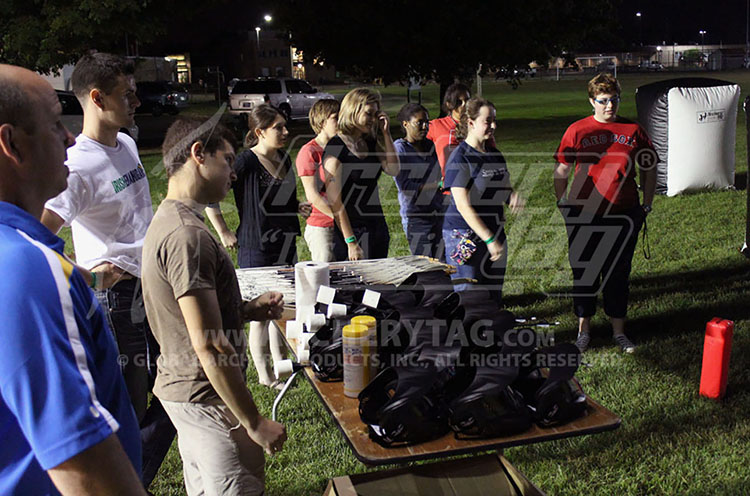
320,242
218,456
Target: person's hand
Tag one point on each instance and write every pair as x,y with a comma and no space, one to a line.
517,203
109,274
228,239
384,123
268,434
355,252
268,306
305,209
496,250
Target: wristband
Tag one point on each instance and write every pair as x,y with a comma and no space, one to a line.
351,239
93,280
489,240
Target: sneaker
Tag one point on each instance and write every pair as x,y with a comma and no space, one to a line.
583,340
624,343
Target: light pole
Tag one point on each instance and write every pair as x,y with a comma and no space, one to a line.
702,32
640,30
268,19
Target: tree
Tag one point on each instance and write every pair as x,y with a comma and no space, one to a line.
44,35
440,39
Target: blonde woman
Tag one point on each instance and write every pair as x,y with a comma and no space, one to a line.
354,160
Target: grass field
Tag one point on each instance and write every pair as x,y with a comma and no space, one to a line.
671,441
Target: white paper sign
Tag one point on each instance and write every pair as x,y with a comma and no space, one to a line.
371,298
326,295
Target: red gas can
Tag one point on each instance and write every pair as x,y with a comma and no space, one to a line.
717,347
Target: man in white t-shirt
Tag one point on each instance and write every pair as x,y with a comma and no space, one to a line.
108,206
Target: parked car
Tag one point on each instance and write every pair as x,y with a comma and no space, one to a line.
293,97
606,66
650,65
72,115
158,97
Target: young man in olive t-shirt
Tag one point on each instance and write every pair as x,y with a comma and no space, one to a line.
194,304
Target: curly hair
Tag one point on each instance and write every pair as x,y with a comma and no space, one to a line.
471,111
603,83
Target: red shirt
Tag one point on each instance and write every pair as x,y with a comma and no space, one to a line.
442,132
309,161
604,155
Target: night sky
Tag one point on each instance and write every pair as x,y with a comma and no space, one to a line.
673,21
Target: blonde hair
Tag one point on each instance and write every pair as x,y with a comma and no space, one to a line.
320,111
353,103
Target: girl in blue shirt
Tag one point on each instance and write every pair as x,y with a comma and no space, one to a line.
479,181
418,184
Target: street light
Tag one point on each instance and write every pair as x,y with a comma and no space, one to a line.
257,36
702,32
267,18
640,30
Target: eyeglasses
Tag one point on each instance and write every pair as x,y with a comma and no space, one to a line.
605,101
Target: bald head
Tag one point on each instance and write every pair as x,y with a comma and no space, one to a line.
19,93
33,141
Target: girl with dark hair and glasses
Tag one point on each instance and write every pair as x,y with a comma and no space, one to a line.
602,210
418,184
479,181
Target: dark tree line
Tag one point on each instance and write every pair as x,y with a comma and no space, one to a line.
440,39
393,40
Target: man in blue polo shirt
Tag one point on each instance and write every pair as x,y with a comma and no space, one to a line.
66,422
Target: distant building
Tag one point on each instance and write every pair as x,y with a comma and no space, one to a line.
266,53
169,68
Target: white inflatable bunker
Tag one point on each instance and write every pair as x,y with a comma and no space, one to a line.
692,123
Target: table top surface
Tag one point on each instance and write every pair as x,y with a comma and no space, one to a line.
344,411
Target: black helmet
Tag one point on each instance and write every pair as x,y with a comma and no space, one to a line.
326,353
489,407
557,398
407,404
